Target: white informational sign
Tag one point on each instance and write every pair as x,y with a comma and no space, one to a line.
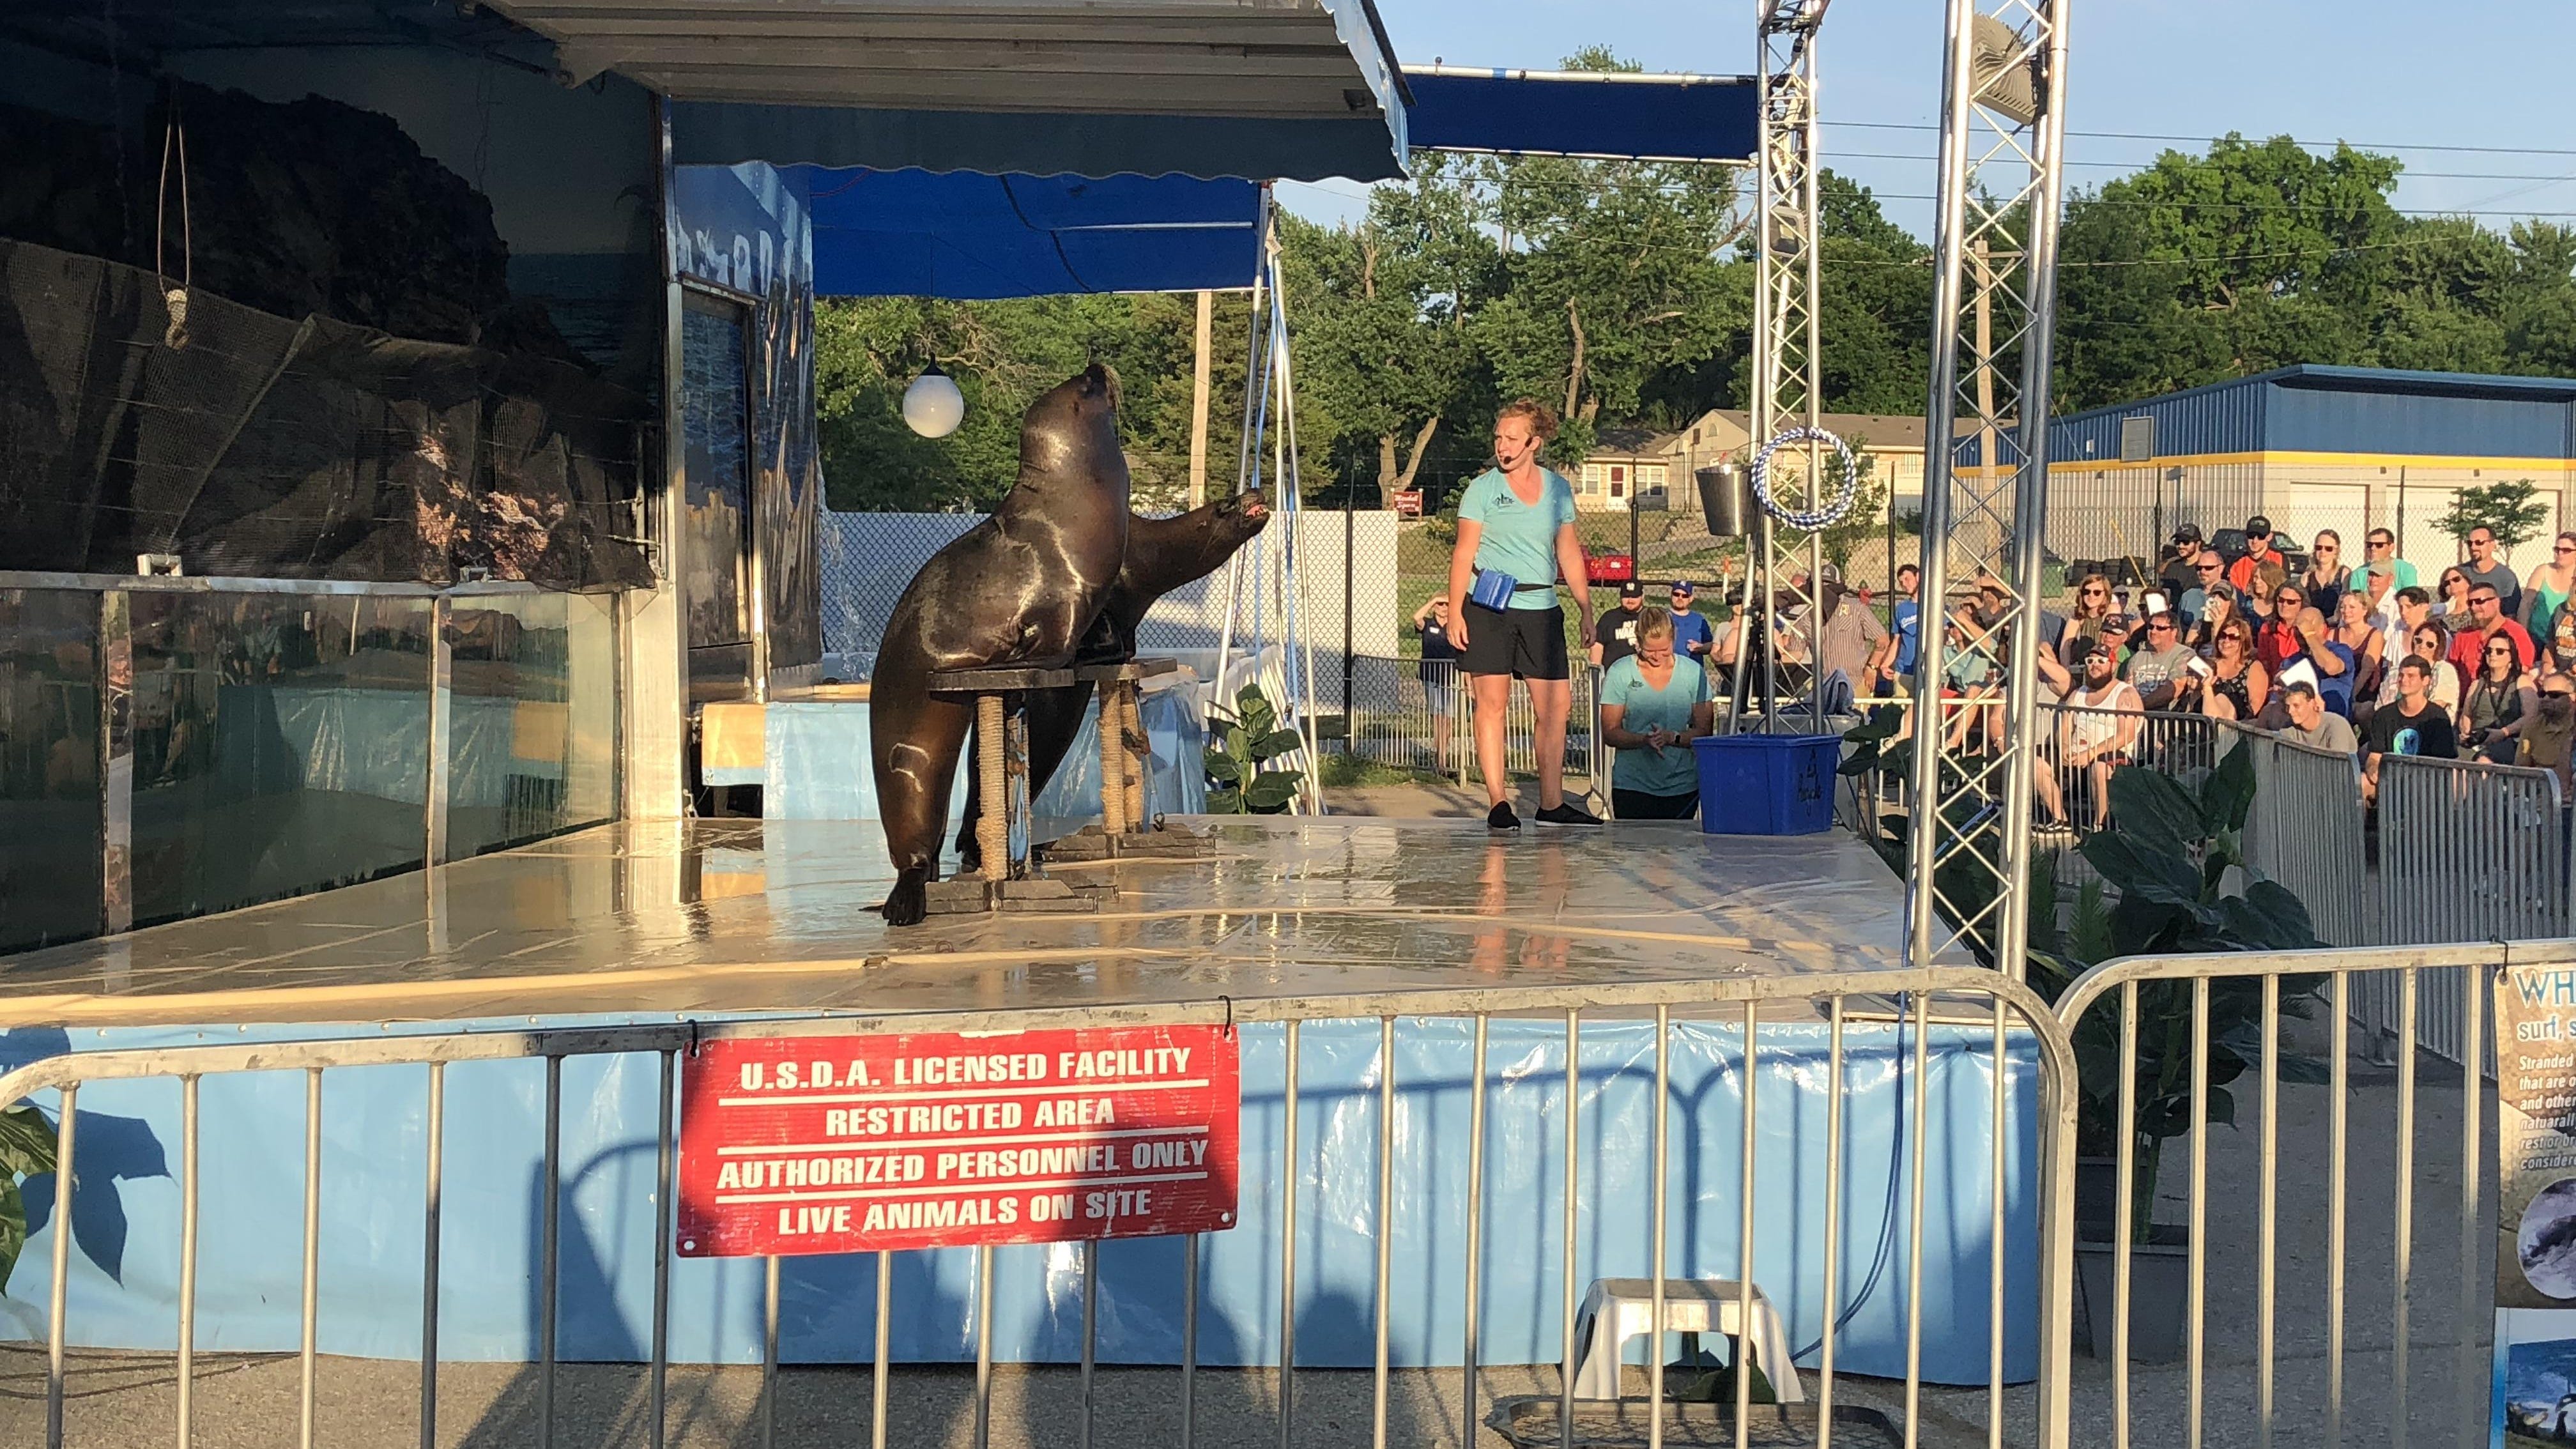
2535,1333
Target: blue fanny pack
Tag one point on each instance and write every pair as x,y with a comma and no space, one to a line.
1493,589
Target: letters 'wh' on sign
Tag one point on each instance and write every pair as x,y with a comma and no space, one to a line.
863,1144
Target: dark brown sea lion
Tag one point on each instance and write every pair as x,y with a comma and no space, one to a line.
1162,555
1024,587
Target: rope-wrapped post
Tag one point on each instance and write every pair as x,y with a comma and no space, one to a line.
1131,729
993,827
1113,759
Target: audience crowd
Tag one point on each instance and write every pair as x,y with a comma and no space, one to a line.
2356,658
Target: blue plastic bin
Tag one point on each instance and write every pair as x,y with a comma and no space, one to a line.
1767,784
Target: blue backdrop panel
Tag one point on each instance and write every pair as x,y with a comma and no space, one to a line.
1711,118
967,235
122,1289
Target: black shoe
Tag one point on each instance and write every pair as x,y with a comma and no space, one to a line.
1502,818
1567,814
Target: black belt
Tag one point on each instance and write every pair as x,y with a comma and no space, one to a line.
1533,588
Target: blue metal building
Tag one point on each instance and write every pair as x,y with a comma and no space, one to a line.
2311,448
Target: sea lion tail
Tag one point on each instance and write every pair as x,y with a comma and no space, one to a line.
909,902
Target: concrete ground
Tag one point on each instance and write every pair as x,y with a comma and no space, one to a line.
251,1403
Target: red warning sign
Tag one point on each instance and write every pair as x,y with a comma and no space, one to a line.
856,1144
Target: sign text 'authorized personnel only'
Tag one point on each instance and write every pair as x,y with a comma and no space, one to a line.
859,1144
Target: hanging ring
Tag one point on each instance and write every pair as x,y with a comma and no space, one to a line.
1834,511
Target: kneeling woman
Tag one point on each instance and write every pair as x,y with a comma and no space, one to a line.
1653,704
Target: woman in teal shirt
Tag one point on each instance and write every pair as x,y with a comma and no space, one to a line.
1515,540
1653,704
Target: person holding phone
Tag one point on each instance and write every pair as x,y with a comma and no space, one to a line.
1516,540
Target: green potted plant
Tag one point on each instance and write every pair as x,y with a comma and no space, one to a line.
26,1150
2165,865
1239,762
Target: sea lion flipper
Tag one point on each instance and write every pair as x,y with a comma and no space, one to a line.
909,902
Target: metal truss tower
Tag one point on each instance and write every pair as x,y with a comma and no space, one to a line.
1787,355
1985,484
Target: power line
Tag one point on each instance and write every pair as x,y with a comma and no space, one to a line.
1831,157
2205,140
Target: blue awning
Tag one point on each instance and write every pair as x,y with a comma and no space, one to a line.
969,236
1611,115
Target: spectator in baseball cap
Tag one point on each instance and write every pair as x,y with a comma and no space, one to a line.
1615,637
2177,572
1693,635
2258,552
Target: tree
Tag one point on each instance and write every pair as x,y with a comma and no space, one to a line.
1003,355
2508,510
1379,319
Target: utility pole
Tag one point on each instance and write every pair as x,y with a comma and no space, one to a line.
1199,401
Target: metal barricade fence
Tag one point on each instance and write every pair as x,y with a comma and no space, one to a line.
2348,1330
1670,1050
1405,714
1413,714
2467,852
2305,831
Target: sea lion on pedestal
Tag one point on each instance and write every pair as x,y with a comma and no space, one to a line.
1162,555
1022,588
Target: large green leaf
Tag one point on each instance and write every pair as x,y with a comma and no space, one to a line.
2267,917
27,1142
1276,743
13,1228
2142,869
2150,808
2228,794
1225,802
1257,715
1222,768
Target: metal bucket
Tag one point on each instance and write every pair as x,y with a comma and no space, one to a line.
1726,499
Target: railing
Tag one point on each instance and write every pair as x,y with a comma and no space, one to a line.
1417,715
1684,1093
2305,831
2354,1166
171,747
2467,852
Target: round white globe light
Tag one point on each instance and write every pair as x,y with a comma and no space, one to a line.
932,406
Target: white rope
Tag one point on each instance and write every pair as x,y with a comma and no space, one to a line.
1833,512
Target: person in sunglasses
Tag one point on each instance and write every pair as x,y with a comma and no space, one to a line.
2550,584
2277,642
2326,577
2379,557
2258,552
2209,572
2500,695
2549,738
2159,669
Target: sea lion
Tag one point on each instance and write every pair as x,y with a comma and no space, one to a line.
1024,587
1162,555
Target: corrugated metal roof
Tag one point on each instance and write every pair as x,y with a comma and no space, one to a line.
2320,409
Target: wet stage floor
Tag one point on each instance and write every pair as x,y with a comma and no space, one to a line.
749,916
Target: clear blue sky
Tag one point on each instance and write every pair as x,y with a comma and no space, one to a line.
2320,70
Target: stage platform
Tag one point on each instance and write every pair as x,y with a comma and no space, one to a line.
760,916
725,919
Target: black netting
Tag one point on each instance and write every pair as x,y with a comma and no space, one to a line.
249,444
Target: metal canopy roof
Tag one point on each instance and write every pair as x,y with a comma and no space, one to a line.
1297,88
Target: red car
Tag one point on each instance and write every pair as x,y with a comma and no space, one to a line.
1610,568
